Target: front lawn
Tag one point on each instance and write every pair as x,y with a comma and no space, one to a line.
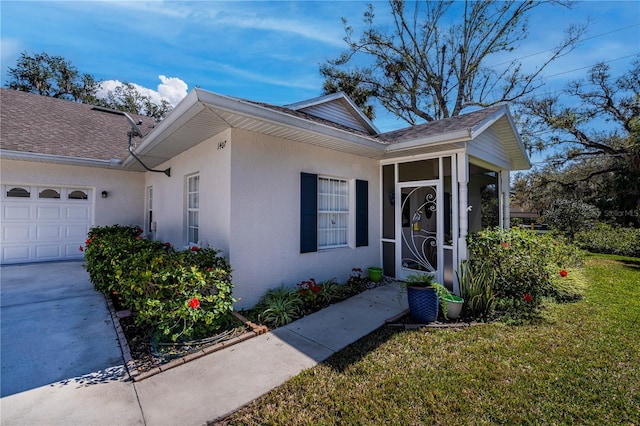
579,365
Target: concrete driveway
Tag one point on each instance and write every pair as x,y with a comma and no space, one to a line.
58,345
54,326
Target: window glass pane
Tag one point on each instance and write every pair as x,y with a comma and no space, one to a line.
333,212
49,193
18,193
77,195
419,170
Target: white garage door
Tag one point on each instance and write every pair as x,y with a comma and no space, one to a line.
44,223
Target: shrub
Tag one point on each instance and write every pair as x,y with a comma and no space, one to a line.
571,216
279,306
179,293
605,238
526,267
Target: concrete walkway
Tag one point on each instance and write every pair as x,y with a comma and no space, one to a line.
209,387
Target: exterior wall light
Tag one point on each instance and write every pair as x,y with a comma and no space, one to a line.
105,194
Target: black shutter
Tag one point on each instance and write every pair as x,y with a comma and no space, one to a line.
362,213
308,213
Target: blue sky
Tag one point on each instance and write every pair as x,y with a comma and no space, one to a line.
265,51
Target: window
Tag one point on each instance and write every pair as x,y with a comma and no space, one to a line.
325,213
18,193
49,193
78,195
193,208
150,209
333,212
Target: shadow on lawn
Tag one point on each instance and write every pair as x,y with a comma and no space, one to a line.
631,263
353,353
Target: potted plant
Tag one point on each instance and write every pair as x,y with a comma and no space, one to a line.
450,304
422,297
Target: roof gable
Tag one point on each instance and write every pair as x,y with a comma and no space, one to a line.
337,108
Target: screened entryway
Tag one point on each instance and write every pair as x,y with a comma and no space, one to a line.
418,236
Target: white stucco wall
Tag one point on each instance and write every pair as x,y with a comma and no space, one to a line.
124,204
265,220
169,194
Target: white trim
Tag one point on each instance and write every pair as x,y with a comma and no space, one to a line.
60,159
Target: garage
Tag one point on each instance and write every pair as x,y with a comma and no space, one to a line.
44,223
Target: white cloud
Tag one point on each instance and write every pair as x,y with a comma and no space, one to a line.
171,89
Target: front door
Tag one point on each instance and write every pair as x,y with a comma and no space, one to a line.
419,224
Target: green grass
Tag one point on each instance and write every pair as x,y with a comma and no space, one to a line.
579,365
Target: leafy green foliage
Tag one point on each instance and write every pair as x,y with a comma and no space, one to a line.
51,76
476,288
279,306
605,238
523,266
180,293
282,305
571,216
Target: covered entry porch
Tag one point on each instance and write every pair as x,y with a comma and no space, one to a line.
436,188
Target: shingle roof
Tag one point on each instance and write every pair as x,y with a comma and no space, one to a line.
439,127
40,124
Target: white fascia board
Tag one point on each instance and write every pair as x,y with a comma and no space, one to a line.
59,159
444,138
187,108
248,109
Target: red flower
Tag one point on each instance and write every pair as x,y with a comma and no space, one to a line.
139,231
167,244
528,298
194,248
87,242
81,248
563,273
505,245
209,269
138,237
194,303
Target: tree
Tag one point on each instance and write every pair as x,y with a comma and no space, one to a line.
594,137
51,76
425,69
56,77
127,98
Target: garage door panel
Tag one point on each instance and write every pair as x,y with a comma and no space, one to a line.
14,254
15,233
48,251
48,232
73,251
78,212
48,213
10,212
76,231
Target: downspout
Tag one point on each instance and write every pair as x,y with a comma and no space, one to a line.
135,131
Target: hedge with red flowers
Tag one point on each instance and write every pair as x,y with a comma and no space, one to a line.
182,294
528,268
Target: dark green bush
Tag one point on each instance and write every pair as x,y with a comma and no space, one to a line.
527,268
605,238
571,216
180,293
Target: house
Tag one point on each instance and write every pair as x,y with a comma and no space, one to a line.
310,189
